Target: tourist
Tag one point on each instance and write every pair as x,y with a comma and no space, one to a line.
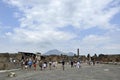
34,64
40,65
93,62
44,65
30,63
78,64
63,64
56,63
53,64
50,65
26,64
71,63
22,64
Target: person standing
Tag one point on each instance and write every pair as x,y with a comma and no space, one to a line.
30,63
63,65
40,65
44,65
71,64
26,64
34,64
22,64
78,64
93,62
50,65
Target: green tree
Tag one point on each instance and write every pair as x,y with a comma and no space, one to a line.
88,57
95,56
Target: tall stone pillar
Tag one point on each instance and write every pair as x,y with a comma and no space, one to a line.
78,52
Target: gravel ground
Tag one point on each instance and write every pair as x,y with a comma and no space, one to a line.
86,72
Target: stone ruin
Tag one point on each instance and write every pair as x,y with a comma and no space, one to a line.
6,59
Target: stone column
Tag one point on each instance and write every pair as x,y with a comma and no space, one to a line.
78,52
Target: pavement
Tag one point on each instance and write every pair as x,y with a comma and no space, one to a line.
86,72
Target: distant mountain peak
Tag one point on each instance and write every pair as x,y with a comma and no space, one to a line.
54,52
70,53
58,52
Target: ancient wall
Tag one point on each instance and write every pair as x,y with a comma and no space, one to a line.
5,62
4,57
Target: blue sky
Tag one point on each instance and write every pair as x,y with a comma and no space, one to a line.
93,26
7,15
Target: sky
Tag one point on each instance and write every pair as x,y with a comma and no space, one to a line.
93,26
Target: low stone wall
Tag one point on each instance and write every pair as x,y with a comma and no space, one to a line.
4,57
5,61
8,65
2,66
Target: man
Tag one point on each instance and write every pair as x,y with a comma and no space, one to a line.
40,65
50,63
71,64
63,63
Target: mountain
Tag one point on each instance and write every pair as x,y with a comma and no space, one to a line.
57,52
70,53
54,52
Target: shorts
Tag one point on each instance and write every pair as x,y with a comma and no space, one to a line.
34,65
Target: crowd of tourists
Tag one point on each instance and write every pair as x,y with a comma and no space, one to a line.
29,63
33,63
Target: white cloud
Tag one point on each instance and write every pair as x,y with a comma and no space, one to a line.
112,46
96,40
59,13
40,36
41,20
3,29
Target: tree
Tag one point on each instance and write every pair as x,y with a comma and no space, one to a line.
88,57
95,56
100,57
